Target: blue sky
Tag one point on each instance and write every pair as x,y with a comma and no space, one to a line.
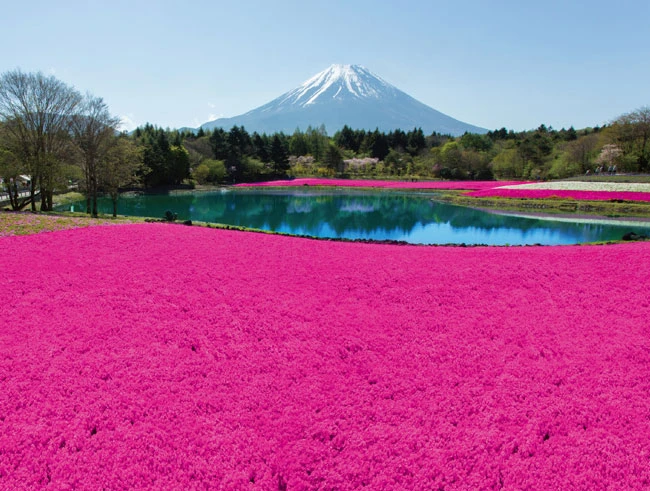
516,64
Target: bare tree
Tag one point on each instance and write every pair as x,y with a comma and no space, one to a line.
37,111
94,133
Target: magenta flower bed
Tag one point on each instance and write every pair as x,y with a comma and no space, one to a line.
362,183
174,357
556,193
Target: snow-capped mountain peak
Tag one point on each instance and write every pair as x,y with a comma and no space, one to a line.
338,82
345,95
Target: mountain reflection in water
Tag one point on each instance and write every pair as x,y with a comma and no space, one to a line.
377,215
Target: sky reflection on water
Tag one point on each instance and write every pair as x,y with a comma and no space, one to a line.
377,215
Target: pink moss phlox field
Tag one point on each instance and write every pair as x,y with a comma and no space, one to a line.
169,357
363,183
560,193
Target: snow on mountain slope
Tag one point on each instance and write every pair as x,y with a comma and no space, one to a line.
339,81
345,95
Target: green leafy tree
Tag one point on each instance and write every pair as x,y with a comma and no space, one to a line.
200,173
508,163
396,162
451,155
121,165
210,171
216,171
199,149
178,165
580,152
478,143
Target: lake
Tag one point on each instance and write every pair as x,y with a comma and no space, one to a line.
365,214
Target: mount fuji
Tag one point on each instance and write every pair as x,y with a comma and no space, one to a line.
345,95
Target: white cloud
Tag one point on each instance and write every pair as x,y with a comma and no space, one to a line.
196,122
127,123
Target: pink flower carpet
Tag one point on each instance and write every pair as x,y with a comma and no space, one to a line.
171,357
477,189
367,183
560,193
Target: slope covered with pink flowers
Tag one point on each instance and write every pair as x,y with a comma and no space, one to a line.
174,357
370,183
477,189
526,193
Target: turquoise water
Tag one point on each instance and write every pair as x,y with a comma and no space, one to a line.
377,215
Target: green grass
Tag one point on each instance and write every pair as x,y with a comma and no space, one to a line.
26,223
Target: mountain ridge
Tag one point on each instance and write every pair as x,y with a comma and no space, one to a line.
345,95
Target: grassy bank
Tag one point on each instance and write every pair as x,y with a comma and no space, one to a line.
552,205
27,223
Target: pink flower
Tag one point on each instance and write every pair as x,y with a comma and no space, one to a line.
383,184
159,356
564,194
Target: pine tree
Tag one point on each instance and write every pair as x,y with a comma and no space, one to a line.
298,144
279,155
219,144
333,158
261,146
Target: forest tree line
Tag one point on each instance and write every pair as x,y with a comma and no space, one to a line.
52,137
221,156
